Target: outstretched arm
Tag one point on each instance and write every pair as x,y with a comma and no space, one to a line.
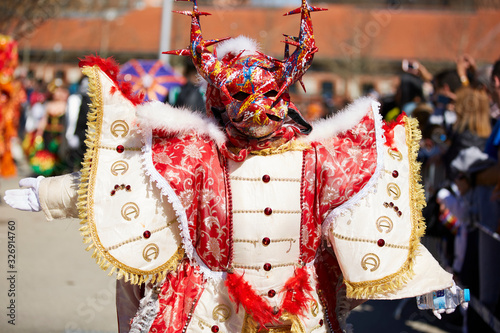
27,198
55,196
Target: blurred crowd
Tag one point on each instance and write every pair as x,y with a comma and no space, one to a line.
52,124
458,114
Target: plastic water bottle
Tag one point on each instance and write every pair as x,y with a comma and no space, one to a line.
443,299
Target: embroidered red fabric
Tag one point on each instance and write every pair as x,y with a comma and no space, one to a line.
333,171
178,297
191,166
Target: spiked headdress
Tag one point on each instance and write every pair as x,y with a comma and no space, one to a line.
248,91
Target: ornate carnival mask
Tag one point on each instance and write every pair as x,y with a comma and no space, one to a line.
248,90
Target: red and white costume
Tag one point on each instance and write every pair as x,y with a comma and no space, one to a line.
245,221
235,243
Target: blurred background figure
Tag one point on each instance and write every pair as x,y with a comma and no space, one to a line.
75,126
473,123
45,158
314,111
34,112
410,91
189,95
12,96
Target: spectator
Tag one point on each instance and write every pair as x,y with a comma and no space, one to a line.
473,126
189,95
408,95
76,124
46,161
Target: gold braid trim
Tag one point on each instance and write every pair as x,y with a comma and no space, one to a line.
293,145
294,325
86,196
393,282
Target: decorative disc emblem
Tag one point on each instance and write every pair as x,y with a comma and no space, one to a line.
130,211
119,128
384,222
314,308
119,168
221,313
393,191
150,252
395,154
370,260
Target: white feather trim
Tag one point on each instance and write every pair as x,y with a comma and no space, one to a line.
149,307
236,45
342,121
159,116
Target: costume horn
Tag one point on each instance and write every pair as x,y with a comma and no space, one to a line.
295,65
206,62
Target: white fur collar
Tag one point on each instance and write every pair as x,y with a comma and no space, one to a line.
342,121
160,116
236,45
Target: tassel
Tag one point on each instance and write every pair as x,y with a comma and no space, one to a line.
111,68
297,293
113,269
389,130
241,292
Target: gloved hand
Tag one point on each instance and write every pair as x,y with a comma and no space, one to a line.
438,312
25,198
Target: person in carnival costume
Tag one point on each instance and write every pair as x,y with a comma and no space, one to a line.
12,95
250,219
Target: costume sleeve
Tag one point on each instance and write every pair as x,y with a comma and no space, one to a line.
58,196
129,226
376,237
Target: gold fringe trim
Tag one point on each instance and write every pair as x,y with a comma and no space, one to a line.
251,326
85,192
293,145
393,282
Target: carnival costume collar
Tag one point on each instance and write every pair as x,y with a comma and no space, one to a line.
157,116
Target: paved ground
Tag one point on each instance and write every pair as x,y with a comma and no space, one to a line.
59,288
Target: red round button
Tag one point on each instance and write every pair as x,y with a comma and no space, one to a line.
381,242
113,192
271,293
321,322
266,241
266,178
128,187
267,267
120,148
268,211
215,328
147,234
395,174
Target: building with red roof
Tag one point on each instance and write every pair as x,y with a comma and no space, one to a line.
359,46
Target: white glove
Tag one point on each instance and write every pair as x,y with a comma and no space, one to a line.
438,312
26,198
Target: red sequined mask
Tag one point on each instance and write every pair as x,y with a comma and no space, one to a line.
249,92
